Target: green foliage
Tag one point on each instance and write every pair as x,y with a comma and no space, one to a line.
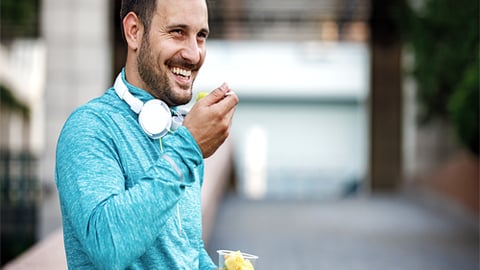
8,100
19,18
464,111
444,37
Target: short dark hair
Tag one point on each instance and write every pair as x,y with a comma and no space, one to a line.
144,9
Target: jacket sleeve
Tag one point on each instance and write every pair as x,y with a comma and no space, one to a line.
206,262
106,216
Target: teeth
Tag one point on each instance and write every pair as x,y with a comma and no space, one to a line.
182,72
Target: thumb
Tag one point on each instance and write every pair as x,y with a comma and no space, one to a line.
216,95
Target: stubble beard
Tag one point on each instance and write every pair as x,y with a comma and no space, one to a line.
156,81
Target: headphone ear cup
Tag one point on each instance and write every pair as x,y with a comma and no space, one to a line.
155,118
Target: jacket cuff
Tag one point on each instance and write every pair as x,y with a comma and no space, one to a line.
184,154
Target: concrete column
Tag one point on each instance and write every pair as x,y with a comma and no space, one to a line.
386,99
77,37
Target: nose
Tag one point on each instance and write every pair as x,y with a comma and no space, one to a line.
192,50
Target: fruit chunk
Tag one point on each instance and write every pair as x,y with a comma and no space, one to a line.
235,261
201,95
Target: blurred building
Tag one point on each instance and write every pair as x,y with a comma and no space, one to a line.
85,49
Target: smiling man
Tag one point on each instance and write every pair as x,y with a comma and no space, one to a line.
129,177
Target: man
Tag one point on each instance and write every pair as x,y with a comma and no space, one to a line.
131,199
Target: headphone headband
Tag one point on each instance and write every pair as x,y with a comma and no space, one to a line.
122,91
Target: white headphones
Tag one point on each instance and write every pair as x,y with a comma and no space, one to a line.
154,115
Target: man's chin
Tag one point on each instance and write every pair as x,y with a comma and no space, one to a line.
180,99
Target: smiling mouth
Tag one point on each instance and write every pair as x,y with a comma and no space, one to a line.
185,73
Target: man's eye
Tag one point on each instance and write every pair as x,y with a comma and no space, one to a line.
202,35
177,31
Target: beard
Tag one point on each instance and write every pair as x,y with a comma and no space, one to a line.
156,80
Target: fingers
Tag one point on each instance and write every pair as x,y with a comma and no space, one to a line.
216,95
221,93
228,102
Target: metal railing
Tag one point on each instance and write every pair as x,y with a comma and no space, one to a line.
19,195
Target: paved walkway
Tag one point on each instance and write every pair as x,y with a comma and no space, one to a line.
381,232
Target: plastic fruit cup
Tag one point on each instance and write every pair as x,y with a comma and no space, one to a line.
222,254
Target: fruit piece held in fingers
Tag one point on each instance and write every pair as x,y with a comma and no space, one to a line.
203,94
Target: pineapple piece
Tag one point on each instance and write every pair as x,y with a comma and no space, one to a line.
235,261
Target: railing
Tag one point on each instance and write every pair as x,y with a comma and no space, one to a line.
18,202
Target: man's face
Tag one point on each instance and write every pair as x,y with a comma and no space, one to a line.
173,50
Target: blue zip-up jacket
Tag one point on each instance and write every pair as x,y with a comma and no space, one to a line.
127,202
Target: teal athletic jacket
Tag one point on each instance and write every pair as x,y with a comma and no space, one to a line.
127,202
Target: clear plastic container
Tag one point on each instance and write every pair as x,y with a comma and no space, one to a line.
249,259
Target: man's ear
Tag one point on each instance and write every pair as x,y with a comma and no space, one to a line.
133,30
